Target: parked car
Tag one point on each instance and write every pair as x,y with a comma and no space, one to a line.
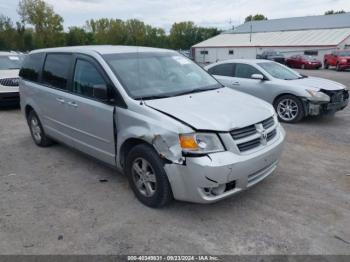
9,68
293,95
304,62
154,114
272,55
339,59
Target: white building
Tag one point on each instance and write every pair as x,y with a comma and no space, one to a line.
314,35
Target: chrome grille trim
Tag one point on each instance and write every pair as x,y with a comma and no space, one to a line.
9,81
250,137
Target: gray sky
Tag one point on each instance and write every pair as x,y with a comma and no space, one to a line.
162,13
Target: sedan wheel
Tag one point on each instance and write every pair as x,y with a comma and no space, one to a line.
289,108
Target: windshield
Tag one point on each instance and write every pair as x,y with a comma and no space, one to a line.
279,71
274,53
309,58
10,62
344,53
159,74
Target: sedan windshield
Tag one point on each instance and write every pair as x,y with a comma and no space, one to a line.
279,71
344,53
10,62
159,74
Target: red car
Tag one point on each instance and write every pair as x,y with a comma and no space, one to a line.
303,62
340,59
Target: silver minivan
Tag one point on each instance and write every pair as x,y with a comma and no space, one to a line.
154,115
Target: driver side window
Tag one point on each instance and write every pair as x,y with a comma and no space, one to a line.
86,77
245,71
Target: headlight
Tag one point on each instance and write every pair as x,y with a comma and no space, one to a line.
318,96
200,143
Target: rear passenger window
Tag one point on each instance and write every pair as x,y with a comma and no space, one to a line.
86,77
56,70
245,71
222,70
32,66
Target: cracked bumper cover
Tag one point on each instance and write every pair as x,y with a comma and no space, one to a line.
188,181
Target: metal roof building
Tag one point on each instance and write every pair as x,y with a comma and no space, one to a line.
315,35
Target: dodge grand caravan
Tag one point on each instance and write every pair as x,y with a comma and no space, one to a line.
153,114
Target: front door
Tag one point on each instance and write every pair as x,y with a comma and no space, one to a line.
91,119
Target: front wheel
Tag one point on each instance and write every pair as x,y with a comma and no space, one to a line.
147,177
289,109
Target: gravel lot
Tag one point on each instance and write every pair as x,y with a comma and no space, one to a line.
52,201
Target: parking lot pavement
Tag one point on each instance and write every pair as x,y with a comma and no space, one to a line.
58,201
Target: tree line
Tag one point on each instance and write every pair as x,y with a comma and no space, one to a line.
40,27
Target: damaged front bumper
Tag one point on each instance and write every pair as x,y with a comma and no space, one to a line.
315,109
210,178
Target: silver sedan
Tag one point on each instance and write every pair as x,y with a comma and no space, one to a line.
293,95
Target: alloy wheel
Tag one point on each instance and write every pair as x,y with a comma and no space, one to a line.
144,177
287,109
36,130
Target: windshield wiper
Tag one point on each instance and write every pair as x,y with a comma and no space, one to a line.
152,97
196,90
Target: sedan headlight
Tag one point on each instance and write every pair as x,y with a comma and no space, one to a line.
318,96
200,143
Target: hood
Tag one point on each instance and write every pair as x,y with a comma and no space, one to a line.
9,73
318,83
217,110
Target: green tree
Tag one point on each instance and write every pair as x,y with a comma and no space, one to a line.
257,17
78,36
332,12
47,24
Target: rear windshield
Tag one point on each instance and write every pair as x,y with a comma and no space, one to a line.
10,62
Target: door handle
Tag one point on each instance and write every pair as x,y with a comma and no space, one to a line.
61,100
235,83
73,104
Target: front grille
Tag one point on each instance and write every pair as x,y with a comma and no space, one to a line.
243,132
251,131
9,81
249,145
268,123
271,135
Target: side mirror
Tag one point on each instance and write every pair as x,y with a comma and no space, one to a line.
100,92
257,76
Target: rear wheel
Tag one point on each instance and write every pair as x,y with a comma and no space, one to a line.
37,131
326,66
289,109
147,177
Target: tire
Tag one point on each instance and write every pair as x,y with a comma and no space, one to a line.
326,66
37,131
337,67
293,107
147,177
